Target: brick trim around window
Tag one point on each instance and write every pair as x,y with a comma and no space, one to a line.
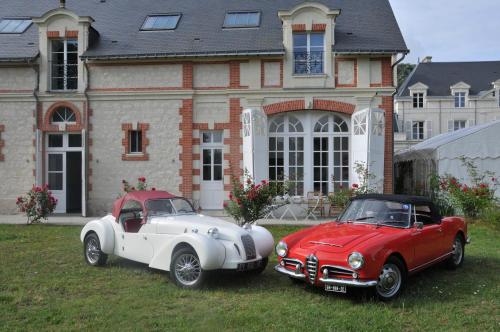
48,126
355,80
126,128
298,27
387,105
318,27
2,142
318,104
186,144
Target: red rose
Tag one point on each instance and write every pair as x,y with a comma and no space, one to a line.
231,196
249,181
142,179
355,185
224,204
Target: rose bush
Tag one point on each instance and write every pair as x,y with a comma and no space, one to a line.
141,185
37,204
471,200
251,202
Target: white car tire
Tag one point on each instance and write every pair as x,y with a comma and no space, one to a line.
185,269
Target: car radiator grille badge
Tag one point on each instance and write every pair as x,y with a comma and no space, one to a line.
312,267
249,246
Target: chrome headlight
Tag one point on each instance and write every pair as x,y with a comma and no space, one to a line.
356,260
213,232
281,249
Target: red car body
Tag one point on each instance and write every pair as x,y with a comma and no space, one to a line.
330,245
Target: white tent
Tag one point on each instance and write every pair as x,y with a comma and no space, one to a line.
441,154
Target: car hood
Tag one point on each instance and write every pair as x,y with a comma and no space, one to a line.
192,222
336,238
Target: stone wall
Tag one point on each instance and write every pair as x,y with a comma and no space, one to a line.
162,167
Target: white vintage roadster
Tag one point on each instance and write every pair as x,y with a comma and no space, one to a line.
163,231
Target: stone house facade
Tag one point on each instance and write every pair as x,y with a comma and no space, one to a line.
440,97
191,94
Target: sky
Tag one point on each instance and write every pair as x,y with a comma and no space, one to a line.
450,30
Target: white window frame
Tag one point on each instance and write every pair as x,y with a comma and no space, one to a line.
309,120
420,130
459,99
308,52
139,146
418,100
65,64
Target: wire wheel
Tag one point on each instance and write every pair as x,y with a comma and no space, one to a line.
93,250
187,269
389,281
458,251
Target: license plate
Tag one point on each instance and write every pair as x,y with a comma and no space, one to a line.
336,288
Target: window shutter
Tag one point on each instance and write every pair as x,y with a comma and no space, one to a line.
428,125
408,129
470,123
451,125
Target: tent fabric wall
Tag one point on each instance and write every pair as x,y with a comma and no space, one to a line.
443,154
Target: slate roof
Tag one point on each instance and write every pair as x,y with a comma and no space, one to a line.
440,76
363,26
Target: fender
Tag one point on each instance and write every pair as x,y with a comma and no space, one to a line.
264,241
211,252
104,230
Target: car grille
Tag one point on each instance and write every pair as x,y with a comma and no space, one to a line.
249,246
312,267
337,271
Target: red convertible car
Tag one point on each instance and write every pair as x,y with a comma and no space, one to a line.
377,242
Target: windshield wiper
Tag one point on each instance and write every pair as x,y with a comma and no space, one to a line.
363,218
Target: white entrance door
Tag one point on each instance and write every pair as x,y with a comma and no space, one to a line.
56,170
65,171
212,177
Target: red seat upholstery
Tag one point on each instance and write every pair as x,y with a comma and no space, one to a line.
132,225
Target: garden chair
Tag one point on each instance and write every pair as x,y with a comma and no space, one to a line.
314,205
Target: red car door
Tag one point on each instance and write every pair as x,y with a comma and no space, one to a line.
428,242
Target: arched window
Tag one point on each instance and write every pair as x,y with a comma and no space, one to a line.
286,153
63,115
330,154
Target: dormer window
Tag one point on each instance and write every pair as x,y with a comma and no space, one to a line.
64,64
242,20
14,25
308,51
460,99
418,100
161,22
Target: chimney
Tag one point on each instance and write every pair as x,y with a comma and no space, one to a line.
62,3
427,59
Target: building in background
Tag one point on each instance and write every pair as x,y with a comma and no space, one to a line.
190,93
440,97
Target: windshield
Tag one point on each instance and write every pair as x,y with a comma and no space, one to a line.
377,212
170,206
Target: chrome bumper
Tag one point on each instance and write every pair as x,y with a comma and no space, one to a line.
349,282
330,281
289,273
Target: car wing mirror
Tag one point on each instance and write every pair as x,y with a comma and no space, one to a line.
418,225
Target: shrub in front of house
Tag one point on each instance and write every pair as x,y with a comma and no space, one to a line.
471,200
252,201
37,204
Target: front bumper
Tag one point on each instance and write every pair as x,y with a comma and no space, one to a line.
329,281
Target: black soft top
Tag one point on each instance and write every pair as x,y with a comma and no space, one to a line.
409,199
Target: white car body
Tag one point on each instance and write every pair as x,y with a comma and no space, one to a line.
158,238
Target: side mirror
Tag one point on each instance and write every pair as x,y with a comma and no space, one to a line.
418,225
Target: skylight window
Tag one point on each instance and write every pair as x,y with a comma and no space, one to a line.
14,25
242,19
161,22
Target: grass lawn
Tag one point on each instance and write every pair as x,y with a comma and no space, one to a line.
46,285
